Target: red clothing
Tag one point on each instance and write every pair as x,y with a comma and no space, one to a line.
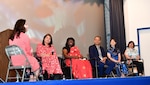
80,68
74,51
23,42
50,63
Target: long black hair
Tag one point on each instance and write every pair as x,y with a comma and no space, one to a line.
51,40
18,28
67,45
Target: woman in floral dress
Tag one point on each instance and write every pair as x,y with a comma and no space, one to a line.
50,63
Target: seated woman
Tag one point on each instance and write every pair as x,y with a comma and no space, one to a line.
50,63
114,57
19,38
81,68
131,54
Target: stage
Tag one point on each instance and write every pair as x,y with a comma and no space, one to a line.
98,81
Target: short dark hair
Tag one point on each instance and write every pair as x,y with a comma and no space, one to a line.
130,43
98,37
51,42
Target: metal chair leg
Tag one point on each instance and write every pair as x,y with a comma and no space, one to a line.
96,69
17,76
112,73
7,72
71,68
1,80
7,75
23,75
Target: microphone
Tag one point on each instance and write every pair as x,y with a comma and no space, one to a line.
52,52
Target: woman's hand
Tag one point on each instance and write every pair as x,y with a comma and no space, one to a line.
117,61
45,55
130,58
138,58
75,57
81,56
42,55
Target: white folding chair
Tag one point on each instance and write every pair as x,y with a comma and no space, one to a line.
11,51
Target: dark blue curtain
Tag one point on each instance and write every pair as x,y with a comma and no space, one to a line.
117,27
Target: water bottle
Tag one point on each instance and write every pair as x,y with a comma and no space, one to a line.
64,77
17,77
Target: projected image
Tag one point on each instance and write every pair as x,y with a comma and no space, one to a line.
81,19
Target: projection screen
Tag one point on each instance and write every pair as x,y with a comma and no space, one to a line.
81,19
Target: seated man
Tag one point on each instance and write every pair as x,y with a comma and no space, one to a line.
97,53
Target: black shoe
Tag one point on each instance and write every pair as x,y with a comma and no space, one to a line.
57,76
51,77
45,75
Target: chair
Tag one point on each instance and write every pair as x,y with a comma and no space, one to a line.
1,80
10,52
112,74
39,59
43,75
129,66
132,66
95,69
67,70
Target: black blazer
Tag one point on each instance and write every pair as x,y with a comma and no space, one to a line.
93,54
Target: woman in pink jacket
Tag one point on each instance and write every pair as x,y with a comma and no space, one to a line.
19,38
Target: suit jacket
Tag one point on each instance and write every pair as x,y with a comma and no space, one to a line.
93,54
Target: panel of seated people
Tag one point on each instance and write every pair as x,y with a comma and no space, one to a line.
78,67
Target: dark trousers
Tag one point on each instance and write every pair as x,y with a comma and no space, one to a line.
52,76
110,68
105,71
139,66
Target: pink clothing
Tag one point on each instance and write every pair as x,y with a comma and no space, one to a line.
80,68
49,63
23,42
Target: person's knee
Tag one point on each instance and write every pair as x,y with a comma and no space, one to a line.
101,65
111,65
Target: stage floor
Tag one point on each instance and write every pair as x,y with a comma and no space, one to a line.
96,81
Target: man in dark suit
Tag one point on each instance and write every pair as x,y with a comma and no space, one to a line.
97,53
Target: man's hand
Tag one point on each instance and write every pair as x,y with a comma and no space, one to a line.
103,60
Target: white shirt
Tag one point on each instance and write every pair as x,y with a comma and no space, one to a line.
99,52
133,53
